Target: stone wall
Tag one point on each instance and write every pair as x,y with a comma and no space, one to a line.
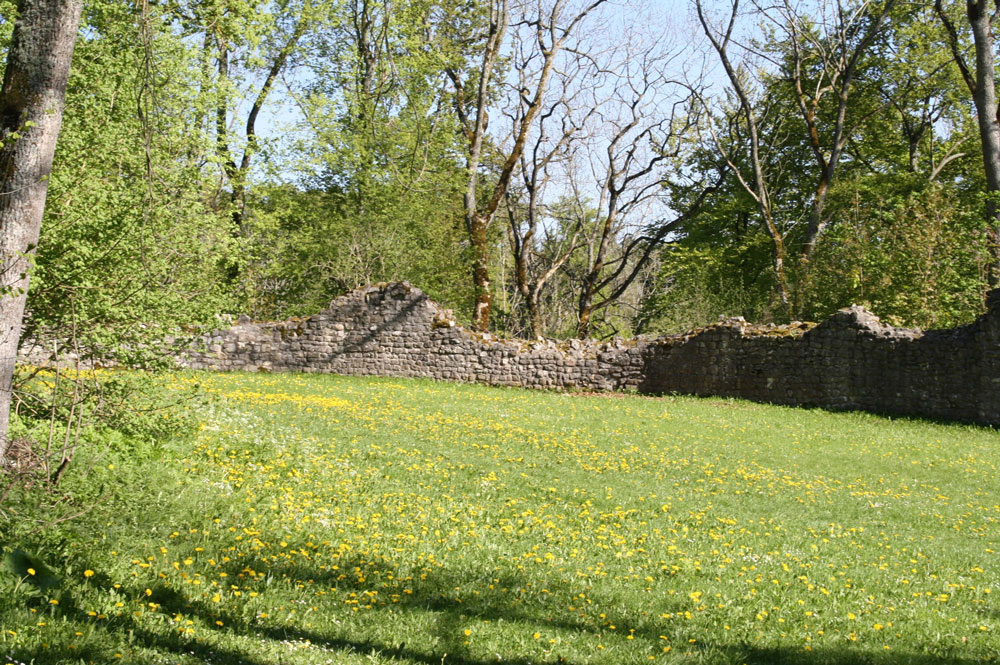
850,361
396,330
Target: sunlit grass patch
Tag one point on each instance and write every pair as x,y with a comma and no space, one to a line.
326,519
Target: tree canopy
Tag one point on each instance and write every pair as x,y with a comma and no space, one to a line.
563,168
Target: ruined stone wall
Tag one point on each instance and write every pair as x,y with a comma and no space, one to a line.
396,330
850,361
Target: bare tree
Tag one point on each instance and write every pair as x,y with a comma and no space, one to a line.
982,16
31,105
649,121
539,251
552,28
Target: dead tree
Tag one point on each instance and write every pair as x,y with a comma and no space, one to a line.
649,120
540,243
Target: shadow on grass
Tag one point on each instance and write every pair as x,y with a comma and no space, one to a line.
430,598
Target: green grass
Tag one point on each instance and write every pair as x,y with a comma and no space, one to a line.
324,519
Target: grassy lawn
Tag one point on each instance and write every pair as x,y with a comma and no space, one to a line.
325,519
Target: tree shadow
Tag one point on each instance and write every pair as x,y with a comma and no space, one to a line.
429,599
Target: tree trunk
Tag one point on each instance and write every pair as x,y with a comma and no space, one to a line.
31,105
588,287
480,272
535,315
985,96
527,290
583,314
816,214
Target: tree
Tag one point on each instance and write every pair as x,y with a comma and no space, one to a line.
822,57
904,119
756,185
915,75
982,85
648,121
862,75
375,162
131,243
31,104
281,45
246,47
552,28
538,254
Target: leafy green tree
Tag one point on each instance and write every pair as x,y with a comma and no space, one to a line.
983,19
902,118
378,188
132,246
906,248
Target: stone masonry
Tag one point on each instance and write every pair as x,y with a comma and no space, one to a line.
396,330
850,361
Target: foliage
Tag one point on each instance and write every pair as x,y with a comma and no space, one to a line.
896,220
62,412
913,252
306,247
138,406
696,286
129,248
155,222
381,197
